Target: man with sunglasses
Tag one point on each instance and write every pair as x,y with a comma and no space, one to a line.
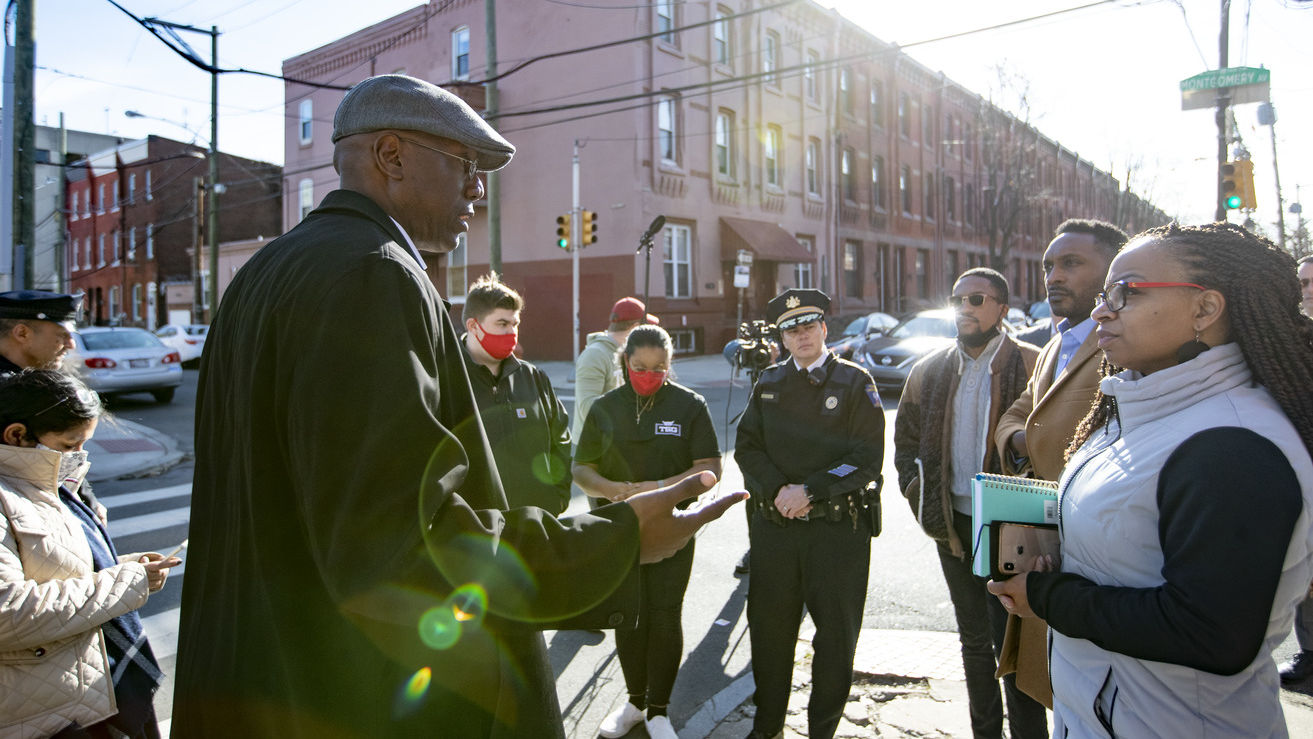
355,569
943,435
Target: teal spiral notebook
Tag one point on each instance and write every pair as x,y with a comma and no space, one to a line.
1003,498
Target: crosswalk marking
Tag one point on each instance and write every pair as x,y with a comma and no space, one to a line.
145,496
148,521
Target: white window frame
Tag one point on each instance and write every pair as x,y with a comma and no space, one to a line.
771,155
114,247
115,193
802,271
720,43
809,75
665,21
306,124
724,144
100,198
305,198
150,241
848,173
132,187
460,51
458,270
677,261
813,173
149,195
770,49
845,90
877,183
905,199
132,244
86,263
100,250
668,130
136,302
114,306
73,208
150,305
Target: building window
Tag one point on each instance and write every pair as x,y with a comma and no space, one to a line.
967,142
132,186
684,341
132,244
667,130
905,188
877,183
306,198
904,116
724,144
802,271
846,90
150,241
114,312
928,125
149,194
877,103
928,193
813,155
114,190
950,199
306,121
100,198
852,269
665,21
922,278
73,211
150,305
86,245
676,256
769,58
460,53
114,247
809,75
136,302
848,169
100,250
720,48
457,266
772,155
951,143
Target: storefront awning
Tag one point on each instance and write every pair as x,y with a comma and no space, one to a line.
767,241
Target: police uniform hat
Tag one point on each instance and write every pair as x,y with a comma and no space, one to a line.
797,306
403,103
40,305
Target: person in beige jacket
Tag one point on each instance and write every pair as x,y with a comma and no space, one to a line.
72,652
1032,436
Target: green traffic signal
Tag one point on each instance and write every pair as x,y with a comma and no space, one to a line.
563,231
1234,202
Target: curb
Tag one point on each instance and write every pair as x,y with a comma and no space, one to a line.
720,705
154,465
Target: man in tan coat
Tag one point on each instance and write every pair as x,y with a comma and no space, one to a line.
1032,436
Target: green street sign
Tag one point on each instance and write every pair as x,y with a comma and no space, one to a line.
1239,84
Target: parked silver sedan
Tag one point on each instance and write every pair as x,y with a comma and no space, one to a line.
125,360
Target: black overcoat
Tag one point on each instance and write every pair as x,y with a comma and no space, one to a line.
353,570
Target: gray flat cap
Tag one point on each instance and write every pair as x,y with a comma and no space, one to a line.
400,102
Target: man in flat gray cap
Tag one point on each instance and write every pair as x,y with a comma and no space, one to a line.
36,329
354,569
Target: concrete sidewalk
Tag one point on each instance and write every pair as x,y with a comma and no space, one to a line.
122,448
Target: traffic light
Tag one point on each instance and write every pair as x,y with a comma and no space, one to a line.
588,228
1245,179
563,231
1231,186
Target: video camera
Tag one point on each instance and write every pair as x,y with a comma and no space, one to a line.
752,349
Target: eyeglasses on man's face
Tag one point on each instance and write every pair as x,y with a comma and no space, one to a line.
1114,294
975,299
471,166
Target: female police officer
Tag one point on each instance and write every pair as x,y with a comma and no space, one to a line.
640,436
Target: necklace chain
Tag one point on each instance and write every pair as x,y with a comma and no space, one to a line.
642,405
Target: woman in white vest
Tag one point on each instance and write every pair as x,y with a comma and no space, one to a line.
1185,504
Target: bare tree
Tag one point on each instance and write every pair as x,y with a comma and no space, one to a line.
1007,171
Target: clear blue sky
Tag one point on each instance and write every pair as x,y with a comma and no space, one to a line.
1103,81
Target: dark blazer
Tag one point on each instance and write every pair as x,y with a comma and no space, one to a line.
353,569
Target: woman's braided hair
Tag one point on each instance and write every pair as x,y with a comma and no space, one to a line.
1262,294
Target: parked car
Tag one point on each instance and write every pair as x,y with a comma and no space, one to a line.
187,338
856,331
889,358
1018,317
1040,311
125,360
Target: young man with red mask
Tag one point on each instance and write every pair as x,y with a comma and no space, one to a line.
526,423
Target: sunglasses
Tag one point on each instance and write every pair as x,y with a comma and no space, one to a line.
471,166
1114,294
975,299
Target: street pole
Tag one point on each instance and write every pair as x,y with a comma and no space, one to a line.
212,212
61,244
575,228
24,172
198,285
1267,115
490,105
1223,99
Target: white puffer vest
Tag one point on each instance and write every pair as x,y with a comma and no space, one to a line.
1110,536
53,667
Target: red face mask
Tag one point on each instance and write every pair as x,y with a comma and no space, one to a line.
498,346
646,382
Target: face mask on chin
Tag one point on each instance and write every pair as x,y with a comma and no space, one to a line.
69,463
498,346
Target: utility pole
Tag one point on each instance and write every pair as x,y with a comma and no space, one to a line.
490,107
212,212
198,287
575,227
1223,99
24,144
61,229
1267,116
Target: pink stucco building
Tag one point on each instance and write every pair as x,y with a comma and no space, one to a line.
836,160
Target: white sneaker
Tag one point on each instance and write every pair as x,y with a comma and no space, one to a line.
621,720
658,727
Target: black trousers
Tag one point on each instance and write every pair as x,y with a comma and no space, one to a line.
823,567
981,623
650,653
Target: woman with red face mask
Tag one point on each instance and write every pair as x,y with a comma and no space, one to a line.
646,434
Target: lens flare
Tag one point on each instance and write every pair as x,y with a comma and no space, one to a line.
439,628
412,693
469,603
